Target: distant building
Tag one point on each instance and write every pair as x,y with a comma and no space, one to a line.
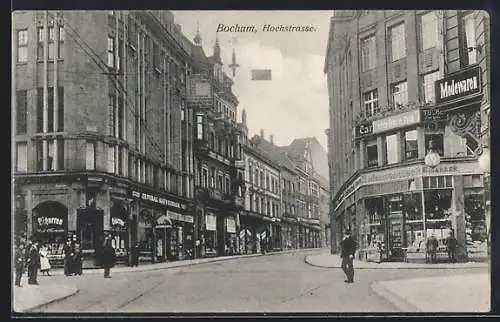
404,87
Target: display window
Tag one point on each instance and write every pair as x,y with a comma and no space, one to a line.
50,227
119,229
475,224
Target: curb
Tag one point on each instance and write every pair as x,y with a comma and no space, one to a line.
59,299
153,267
410,266
399,302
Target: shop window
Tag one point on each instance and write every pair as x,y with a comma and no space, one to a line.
429,30
391,144
411,145
412,206
370,101
397,42
372,155
437,204
475,218
434,142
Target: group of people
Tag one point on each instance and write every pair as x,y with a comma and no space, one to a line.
73,259
31,256
432,246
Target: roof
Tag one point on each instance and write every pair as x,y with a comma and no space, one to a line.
297,147
323,182
273,152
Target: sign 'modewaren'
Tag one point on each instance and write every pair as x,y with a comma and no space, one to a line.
459,85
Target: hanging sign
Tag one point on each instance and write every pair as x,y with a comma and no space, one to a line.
461,85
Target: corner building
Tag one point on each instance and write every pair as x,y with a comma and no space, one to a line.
102,136
403,84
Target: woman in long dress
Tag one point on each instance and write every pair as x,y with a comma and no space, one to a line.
44,261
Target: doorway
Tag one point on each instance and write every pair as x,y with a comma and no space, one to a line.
90,229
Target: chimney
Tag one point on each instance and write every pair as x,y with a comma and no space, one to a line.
271,139
262,133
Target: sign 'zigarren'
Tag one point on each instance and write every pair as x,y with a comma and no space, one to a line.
461,87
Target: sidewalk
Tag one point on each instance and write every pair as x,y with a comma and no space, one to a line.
334,261
29,297
459,293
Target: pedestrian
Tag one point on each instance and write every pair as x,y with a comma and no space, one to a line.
77,260
451,245
108,256
135,254
432,245
44,261
68,254
20,259
348,246
33,264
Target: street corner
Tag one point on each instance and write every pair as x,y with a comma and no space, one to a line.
322,260
31,297
400,303
463,293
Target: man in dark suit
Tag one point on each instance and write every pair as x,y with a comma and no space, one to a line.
348,246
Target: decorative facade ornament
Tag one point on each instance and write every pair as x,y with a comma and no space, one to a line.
465,123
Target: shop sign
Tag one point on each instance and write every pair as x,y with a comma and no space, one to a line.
230,225
163,222
441,169
158,200
178,217
432,115
115,221
50,224
363,129
211,222
458,86
396,121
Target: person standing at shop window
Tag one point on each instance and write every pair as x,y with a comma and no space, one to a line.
432,245
348,246
109,256
451,245
68,250
44,261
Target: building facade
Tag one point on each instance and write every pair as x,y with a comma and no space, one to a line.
218,155
409,93
101,151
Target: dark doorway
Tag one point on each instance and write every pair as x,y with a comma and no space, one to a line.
221,240
90,228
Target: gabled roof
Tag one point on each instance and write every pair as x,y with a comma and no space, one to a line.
273,152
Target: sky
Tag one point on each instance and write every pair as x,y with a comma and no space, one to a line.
294,104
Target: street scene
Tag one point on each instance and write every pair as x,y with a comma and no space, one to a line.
250,161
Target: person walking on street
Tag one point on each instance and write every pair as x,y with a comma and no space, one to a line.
77,260
20,259
432,245
68,250
33,264
451,245
135,254
44,261
348,246
109,256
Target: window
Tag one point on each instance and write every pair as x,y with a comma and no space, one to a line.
204,179
429,30
90,156
467,36
372,155
228,186
411,145
262,179
51,44
400,94
391,144
434,142
371,103
111,159
199,126
114,53
267,183
220,185
212,177
398,42
22,46
368,53
21,157
22,112
428,81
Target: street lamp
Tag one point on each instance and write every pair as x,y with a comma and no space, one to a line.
432,159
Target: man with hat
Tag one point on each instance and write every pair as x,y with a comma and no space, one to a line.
348,246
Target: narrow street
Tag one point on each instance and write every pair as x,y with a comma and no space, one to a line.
279,283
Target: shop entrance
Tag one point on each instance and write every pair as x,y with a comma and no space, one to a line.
90,228
221,240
